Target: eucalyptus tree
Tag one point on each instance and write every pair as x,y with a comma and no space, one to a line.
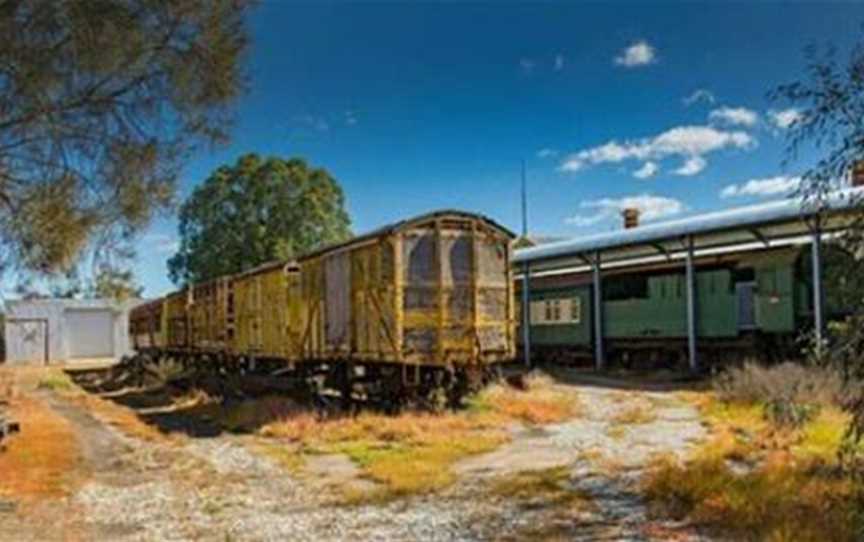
100,103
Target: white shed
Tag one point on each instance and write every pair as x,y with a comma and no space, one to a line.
44,331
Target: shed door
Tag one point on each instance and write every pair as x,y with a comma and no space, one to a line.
90,333
28,341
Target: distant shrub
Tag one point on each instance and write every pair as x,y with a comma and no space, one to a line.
783,384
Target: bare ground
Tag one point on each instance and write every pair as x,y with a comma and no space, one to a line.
223,488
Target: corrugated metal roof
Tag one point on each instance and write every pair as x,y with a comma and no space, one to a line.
787,210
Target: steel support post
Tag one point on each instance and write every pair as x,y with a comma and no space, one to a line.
691,308
599,354
526,313
818,292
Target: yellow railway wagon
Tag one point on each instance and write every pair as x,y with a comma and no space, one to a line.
435,290
267,312
145,326
175,319
210,315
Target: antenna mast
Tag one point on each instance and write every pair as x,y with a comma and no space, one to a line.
524,203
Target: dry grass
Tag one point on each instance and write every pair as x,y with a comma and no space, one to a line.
547,486
119,417
410,453
541,403
550,489
37,462
754,480
640,414
413,452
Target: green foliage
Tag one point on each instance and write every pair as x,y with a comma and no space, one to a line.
830,102
101,100
786,412
258,210
118,284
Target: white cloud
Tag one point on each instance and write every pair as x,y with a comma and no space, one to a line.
527,65
558,63
785,118
684,141
350,118
736,116
161,243
547,153
648,170
639,53
770,186
608,209
691,166
699,95
314,123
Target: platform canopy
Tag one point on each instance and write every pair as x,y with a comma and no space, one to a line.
756,227
764,225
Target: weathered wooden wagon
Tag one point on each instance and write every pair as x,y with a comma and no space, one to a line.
416,307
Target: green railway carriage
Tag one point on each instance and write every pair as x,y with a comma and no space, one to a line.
738,283
751,302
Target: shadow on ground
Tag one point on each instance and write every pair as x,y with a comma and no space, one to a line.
204,408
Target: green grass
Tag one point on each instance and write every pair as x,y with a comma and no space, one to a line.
56,381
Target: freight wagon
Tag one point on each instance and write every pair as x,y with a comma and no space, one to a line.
421,307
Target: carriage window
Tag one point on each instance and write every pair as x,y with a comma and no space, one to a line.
576,310
624,288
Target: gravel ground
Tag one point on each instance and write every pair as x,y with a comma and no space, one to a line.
220,489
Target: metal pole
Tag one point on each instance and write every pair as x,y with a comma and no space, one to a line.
691,307
526,313
599,355
524,203
818,293
526,276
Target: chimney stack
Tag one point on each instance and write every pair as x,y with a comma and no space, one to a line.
858,173
631,218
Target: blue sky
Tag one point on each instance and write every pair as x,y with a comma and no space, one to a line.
416,107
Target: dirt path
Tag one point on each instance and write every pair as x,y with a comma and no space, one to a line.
223,488
606,450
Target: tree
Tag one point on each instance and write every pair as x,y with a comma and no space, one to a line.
113,283
256,211
100,102
829,115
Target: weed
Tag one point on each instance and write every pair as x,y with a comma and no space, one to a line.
539,403
756,479
790,382
549,486
56,381
634,415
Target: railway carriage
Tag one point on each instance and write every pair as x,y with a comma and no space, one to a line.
415,307
727,285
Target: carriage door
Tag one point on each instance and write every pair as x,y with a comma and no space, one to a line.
746,305
337,283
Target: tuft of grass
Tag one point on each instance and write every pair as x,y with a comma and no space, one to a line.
640,414
549,486
754,479
284,455
540,403
56,381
